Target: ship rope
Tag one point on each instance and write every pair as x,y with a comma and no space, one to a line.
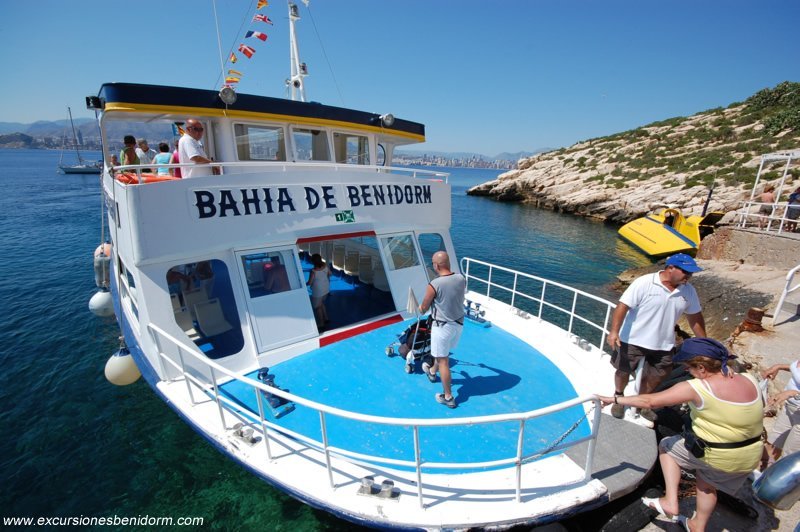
325,54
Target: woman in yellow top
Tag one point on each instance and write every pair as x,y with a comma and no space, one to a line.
726,412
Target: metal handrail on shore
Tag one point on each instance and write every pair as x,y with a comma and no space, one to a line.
284,166
787,289
744,216
541,300
217,374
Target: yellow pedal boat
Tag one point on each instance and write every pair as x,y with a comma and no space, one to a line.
668,232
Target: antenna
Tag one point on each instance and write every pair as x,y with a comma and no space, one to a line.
298,70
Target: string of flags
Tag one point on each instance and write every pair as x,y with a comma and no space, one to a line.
234,76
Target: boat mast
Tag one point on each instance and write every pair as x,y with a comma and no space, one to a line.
298,70
74,136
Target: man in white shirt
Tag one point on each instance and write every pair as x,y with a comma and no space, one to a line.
145,153
643,326
190,149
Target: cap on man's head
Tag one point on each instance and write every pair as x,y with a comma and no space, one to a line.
684,262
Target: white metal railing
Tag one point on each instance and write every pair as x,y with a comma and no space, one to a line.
284,166
787,289
776,220
218,373
540,300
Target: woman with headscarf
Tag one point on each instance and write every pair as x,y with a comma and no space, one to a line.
724,446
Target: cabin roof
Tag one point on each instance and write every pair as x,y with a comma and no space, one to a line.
134,97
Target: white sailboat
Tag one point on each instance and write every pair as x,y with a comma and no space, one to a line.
82,167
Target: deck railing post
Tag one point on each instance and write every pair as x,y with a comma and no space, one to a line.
541,299
520,444
216,397
489,283
260,403
185,378
418,460
593,442
157,340
605,328
325,447
572,312
514,290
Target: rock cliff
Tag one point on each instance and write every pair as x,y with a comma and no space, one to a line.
673,162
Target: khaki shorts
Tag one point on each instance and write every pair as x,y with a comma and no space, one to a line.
722,480
785,434
656,363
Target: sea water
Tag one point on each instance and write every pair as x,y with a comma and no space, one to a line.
74,445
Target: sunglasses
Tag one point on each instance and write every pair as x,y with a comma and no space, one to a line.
195,128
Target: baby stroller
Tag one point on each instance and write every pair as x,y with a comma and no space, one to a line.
413,344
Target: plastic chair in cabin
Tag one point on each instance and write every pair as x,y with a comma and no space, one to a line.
338,257
210,318
176,302
184,320
351,263
365,272
191,298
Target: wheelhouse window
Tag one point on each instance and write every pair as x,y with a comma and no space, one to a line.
270,273
204,307
351,149
260,143
310,145
400,251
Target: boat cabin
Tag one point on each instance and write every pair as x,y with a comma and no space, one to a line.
223,260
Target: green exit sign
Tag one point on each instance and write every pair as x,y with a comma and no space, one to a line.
346,217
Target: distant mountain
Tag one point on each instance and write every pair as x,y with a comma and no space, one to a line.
46,128
17,140
505,156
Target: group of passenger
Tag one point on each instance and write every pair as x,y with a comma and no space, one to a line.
767,201
722,444
188,149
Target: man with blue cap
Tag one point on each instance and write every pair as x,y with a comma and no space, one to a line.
643,326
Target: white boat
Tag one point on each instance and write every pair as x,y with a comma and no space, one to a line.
82,167
208,286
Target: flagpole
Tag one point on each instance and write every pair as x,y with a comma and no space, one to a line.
219,42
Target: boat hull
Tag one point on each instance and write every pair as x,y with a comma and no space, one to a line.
79,169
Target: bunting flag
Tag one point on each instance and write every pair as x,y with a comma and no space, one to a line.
262,18
246,50
262,3
231,80
234,73
232,58
256,34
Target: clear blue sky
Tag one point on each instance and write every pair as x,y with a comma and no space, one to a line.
486,77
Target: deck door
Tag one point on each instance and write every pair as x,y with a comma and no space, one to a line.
277,299
403,267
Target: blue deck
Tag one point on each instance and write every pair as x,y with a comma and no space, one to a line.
493,373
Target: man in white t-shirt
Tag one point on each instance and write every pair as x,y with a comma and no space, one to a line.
190,149
643,326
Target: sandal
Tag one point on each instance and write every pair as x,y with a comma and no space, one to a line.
682,519
655,504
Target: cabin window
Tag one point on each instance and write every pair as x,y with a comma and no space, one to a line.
401,251
351,149
204,308
270,273
259,143
310,145
430,243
